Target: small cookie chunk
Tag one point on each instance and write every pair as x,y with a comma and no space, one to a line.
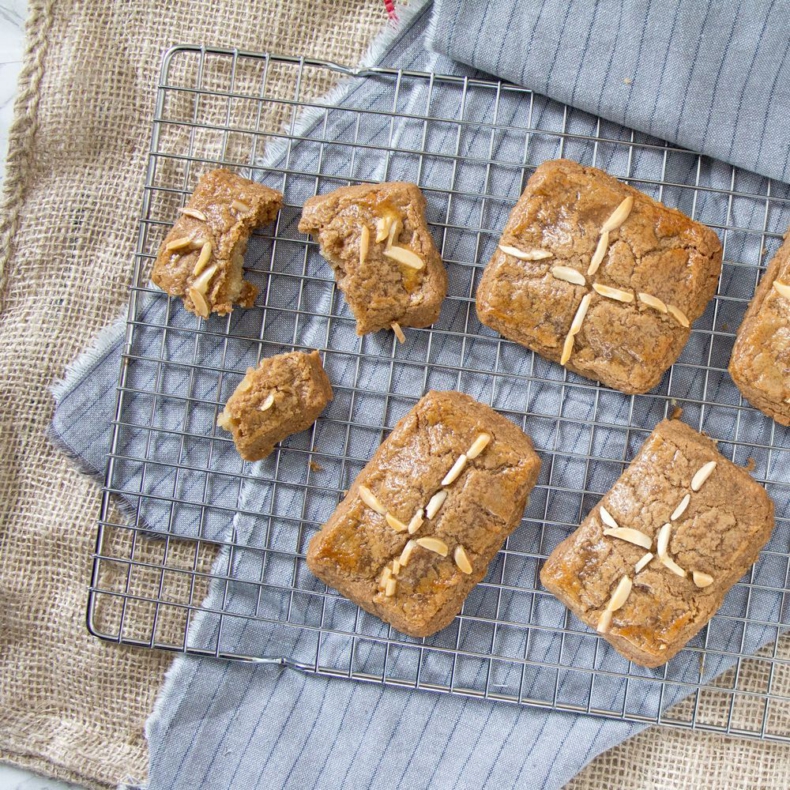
428,513
651,564
381,251
284,395
202,256
597,276
760,362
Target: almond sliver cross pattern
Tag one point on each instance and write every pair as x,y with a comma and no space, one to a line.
573,276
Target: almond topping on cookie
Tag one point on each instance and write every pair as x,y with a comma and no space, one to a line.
584,305
681,508
529,255
652,301
461,559
702,475
613,293
268,403
395,523
607,518
364,243
398,332
201,305
620,595
478,445
644,562
203,258
678,315
568,275
619,215
406,257
242,208
178,244
702,579
416,522
406,553
433,544
782,289
599,254
567,349
455,470
193,212
630,536
369,498
435,502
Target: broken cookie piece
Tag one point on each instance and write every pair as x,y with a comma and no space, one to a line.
284,395
202,257
430,510
598,276
377,241
651,564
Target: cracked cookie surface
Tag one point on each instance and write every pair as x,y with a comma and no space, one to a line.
718,531
648,280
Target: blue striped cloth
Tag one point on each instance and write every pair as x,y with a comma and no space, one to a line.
710,76
229,725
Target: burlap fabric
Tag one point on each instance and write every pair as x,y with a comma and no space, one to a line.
70,705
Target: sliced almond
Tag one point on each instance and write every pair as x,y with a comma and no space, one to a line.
435,502
364,243
383,227
604,622
201,305
652,301
389,590
703,473
568,275
369,498
201,283
782,289
407,552
567,349
478,445
620,595
461,559
203,258
613,293
599,254
433,544
644,562
607,518
395,567
678,315
702,579
619,215
178,244
193,212
224,420
395,523
244,385
396,228
386,575
669,563
528,255
681,508
581,313
455,470
416,522
406,257
398,332
662,541
268,403
630,536
239,206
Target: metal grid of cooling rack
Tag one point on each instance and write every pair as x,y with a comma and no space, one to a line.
177,499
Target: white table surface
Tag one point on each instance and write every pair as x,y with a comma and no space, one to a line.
12,22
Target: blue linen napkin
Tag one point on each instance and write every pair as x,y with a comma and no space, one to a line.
234,725
712,77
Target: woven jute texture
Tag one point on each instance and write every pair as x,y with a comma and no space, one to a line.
70,705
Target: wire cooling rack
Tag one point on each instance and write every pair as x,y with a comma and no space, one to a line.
182,516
